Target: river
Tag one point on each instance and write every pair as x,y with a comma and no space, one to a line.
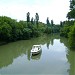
55,59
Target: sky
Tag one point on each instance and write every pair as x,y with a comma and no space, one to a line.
56,10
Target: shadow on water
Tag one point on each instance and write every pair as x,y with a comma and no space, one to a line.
11,51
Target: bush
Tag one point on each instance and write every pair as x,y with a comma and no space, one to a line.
5,31
26,33
48,30
64,31
72,37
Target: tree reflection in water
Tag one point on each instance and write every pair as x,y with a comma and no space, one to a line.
71,59
11,51
70,56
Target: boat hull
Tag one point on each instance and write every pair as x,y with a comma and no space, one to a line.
35,53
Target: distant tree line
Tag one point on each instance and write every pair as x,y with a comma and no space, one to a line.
51,27
11,30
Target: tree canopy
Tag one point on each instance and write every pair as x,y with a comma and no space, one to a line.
71,13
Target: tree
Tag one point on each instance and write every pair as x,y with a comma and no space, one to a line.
28,17
5,31
72,4
72,37
71,14
37,19
52,23
32,22
61,23
64,31
26,33
47,21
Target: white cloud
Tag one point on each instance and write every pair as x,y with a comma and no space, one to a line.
54,9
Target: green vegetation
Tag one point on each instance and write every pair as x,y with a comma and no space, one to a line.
68,31
71,14
64,31
72,37
68,27
11,30
51,27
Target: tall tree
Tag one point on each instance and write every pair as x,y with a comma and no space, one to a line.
47,21
37,19
52,23
32,22
61,23
28,17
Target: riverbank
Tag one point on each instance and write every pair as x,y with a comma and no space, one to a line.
2,43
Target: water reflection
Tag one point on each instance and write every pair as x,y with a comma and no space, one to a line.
11,51
71,60
70,54
36,57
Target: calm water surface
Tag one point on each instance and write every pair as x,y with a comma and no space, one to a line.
55,58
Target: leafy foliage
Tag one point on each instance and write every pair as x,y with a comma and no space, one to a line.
11,30
71,14
48,30
72,37
64,31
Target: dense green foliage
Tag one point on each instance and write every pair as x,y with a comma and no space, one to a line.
71,14
11,30
68,27
64,31
51,27
72,37
68,31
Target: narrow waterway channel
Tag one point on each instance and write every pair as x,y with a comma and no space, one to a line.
55,58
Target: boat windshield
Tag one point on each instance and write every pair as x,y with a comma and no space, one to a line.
36,46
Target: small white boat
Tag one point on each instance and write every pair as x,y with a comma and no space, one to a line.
36,49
